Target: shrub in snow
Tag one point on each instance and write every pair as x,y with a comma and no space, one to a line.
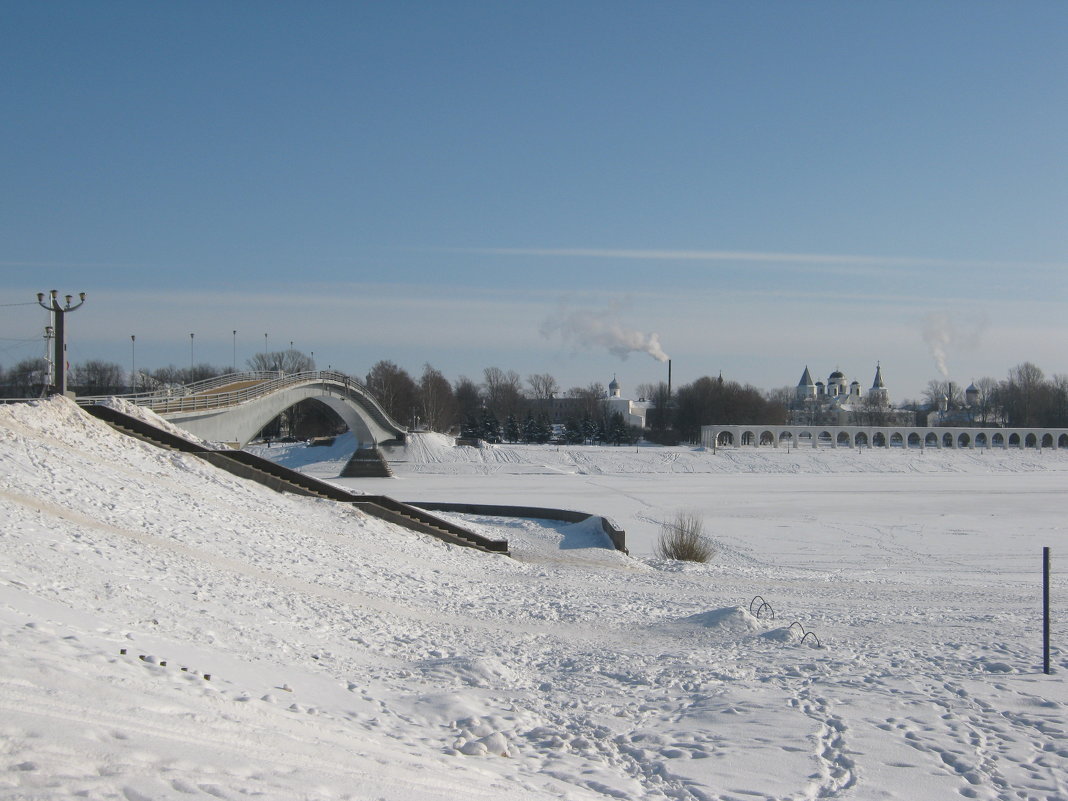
684,539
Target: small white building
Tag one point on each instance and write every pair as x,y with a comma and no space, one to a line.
633,412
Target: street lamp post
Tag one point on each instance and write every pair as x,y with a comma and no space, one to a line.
133,362
235,350
50,334
59,386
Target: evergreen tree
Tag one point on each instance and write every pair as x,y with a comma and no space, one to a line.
491,427
511,429
600,435
544,429
471,428
617,429
589,430
530,428
573,432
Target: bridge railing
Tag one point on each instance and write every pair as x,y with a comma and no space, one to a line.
200,397
182,390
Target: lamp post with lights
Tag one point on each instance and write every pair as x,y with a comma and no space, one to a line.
59,385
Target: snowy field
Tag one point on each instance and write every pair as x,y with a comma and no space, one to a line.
286,648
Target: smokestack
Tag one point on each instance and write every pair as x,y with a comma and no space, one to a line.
669,379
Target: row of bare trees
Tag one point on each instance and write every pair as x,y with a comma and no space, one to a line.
1025,398
30,377
433,402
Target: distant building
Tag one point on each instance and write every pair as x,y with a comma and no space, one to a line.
950,413
559,410
633,411
837,402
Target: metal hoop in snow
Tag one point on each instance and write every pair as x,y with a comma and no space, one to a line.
811,634
760,608
805,634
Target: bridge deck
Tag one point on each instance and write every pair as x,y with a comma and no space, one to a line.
234,387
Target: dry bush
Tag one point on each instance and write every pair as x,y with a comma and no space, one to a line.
684,539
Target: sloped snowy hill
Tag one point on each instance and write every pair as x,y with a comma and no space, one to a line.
349,659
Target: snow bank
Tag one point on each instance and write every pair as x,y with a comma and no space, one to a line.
173,632
150,417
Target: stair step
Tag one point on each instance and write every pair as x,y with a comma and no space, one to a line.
270,474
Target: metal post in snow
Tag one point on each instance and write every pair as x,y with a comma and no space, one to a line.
1045,610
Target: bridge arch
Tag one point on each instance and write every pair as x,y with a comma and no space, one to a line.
235,408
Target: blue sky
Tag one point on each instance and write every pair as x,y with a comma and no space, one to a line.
764,185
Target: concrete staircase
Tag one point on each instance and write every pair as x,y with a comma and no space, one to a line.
367,463
282,479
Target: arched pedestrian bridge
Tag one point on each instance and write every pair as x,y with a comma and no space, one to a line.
234,408
806,436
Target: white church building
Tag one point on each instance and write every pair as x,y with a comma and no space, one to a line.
841,402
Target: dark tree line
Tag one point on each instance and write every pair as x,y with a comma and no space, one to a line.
1026,398
502,407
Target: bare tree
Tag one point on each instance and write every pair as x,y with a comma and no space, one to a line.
871,410
591,400
395,390
437,400
28,378
986,405
504,394
286,361
1026,398
646,391
543,386
163,377
942,389
96,377
204,371
468,400
659,418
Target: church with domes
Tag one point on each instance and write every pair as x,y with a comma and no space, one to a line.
841,402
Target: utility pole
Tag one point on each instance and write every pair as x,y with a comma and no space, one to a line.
133,362
235,350
59,386
50,377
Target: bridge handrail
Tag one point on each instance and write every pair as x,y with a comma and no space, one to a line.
268,382
181,390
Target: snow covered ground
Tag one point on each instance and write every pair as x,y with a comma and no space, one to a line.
288,648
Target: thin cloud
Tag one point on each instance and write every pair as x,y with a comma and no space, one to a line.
807,259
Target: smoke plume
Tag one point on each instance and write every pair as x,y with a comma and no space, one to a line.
592,328
938,334
942,333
